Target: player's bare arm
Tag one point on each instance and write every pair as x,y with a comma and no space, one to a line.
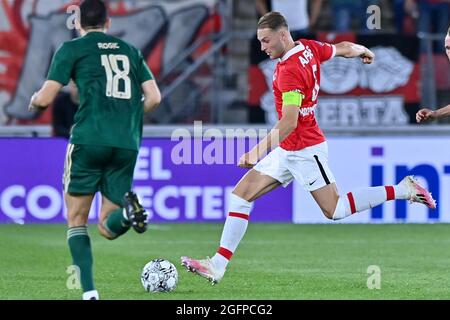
279,132
45,96
152,95
426,114
348,49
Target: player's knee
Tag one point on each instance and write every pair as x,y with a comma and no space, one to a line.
247,195
239,204
74,219
331,211
339,211
328,213
105,233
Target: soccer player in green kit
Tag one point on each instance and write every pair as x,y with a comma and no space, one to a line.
116,87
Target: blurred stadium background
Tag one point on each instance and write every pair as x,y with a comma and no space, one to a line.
207,62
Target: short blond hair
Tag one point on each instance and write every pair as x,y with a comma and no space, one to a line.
272,20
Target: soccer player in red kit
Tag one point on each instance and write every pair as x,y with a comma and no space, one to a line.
426,114
302,153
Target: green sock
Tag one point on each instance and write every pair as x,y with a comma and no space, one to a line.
116,223
80,249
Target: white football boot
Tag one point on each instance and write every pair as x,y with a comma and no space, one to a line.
417,193
204,268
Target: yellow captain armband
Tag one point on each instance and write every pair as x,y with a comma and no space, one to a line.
292,98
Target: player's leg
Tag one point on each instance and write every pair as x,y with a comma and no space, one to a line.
253,185
79,241
113,220
82,173
317,178
362,199
326,197
267,175
120,206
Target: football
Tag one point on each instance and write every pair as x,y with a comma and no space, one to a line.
159,275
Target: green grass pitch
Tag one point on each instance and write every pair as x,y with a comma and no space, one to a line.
274,261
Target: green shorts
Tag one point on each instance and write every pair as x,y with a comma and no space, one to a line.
90,168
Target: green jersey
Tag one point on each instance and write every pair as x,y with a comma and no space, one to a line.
108,73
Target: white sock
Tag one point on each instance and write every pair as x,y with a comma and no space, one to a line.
91,295
233,230
366,198
401,192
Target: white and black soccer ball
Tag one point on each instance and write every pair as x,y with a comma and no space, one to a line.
159,275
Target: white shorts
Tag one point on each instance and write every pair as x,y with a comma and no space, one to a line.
308,166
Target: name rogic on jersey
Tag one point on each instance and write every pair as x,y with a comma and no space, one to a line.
108,73
299,71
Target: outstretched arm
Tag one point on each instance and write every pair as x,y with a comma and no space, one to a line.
426,114
44,97
348,49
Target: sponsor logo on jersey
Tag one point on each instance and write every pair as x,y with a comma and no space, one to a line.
307,111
